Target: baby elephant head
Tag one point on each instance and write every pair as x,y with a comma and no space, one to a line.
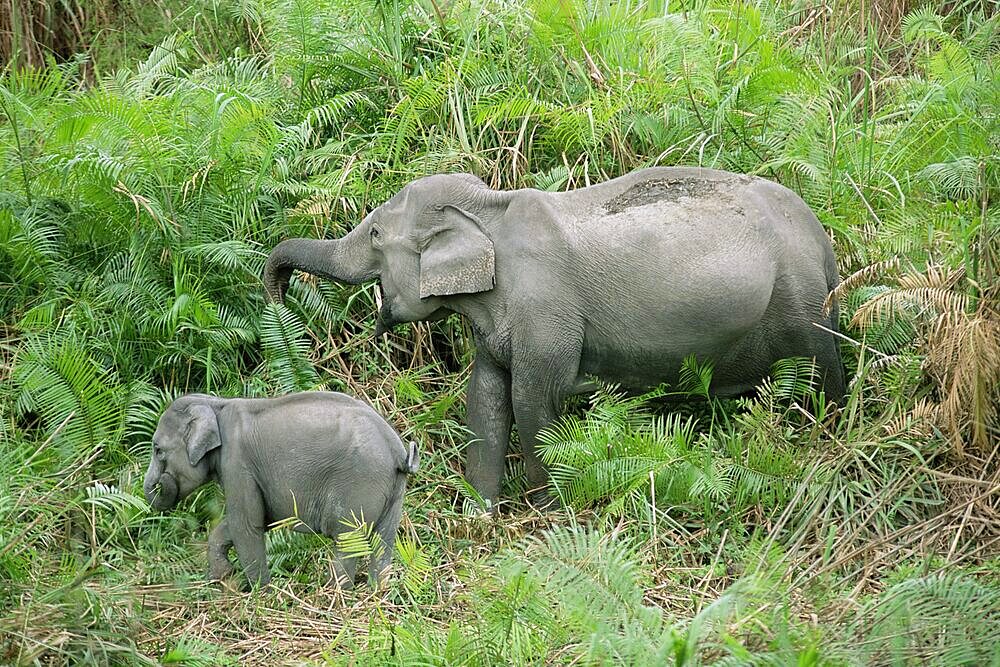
187,432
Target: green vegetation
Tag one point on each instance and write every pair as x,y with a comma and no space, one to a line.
97,35
139,196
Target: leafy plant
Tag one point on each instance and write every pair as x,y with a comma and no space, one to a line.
935,619
633,463
959,339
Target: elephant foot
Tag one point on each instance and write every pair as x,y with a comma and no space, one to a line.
227,581
342,582
260,582
475,508
219,572
343,573
544,500
253,589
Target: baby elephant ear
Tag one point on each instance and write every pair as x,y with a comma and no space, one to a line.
457,257
202,434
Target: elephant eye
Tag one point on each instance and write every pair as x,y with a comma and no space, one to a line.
375,233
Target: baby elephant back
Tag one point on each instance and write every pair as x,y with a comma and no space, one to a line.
329,424
324,456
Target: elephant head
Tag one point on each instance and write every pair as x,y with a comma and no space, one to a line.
188,431
427,243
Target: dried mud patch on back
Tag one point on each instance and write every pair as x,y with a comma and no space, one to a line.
661,189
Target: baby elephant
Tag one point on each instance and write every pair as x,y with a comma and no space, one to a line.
323,457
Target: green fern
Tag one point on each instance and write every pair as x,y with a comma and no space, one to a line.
621,457
937,619
29,244
417,568
282,336
78,401
193,652
360,540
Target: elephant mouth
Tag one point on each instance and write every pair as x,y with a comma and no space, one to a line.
385,321
163,496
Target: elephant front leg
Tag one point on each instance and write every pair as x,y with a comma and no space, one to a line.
532,415
249,545
490,415
245,527
219,544
539,386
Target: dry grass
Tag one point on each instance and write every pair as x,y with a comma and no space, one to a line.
32,30
959,338
296,621
963,358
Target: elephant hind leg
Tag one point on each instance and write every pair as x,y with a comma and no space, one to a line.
345,565
386,528
832,366
788,329
831,370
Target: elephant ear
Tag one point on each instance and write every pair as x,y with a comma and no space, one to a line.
202,433
457,256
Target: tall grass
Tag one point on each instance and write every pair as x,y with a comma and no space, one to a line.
100,35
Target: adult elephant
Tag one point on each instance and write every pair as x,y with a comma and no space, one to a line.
620,281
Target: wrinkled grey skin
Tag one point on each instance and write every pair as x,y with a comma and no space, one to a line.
331,457
620,281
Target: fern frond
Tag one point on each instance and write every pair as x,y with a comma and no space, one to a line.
358,539
231,254
162,60
963,356
792,379
286,349
417,567
944,618
111,499
597,578
894,301
77,398
694,377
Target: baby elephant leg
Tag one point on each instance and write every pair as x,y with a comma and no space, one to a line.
245,525
378,564
219,544
250,548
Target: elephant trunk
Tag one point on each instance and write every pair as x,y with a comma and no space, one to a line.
347,260
159,487
384,322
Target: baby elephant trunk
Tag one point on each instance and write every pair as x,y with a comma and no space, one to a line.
412,463
160,487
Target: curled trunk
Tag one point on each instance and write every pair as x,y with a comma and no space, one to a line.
165,496
159,487
347,260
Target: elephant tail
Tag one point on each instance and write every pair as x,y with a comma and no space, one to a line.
412,462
